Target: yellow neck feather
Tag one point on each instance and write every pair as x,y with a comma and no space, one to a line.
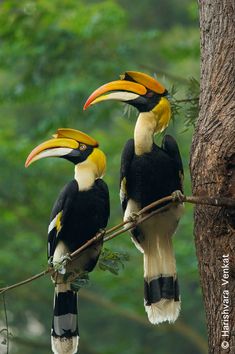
85,175
162,112
89,170
149,123
144,130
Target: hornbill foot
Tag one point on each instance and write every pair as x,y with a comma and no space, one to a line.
102,232
60,266
177,196
99,237
133,217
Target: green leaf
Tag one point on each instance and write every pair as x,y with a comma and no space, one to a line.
67,275
188,106
112,261
192,108
80,282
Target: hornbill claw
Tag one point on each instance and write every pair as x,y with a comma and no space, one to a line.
60,266
133,217
102,232
177,196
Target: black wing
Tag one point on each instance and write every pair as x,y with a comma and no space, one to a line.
170,145
104,193
126,159
78,215
58,214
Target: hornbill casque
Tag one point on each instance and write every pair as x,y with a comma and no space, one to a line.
148,173
80,211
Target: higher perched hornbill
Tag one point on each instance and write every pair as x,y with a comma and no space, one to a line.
80,211
148,173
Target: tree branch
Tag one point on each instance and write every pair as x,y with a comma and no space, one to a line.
185,100
28,280
132,222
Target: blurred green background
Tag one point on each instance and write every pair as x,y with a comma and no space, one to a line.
53,55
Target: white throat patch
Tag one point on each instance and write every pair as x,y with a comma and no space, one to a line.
85,175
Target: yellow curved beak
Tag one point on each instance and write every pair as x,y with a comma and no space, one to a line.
52,148
124,91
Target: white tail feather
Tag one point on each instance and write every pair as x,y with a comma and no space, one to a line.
60,344
159,256
164,310
159,260
64,345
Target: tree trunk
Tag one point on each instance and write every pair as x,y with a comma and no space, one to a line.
213,171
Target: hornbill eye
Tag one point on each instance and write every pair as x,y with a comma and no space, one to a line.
149,94
82,147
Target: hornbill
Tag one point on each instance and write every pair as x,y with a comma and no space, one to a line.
148,173
80,211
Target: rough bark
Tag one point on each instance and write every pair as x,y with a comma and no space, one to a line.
213,169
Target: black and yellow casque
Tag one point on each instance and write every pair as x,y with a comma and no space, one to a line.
80,211
148,173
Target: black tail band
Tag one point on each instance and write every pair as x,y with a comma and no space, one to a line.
65,302
64,324
161,288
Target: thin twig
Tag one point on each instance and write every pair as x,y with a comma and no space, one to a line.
194,99
213,201
139,213
28,280
136,222
133,221
94,239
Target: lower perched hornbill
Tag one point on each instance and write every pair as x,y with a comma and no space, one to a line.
148,173
80,211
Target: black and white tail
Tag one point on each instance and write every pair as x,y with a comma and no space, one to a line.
161,290
64,333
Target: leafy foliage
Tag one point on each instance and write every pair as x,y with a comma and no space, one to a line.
192,108
80,282
188,106
112,261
